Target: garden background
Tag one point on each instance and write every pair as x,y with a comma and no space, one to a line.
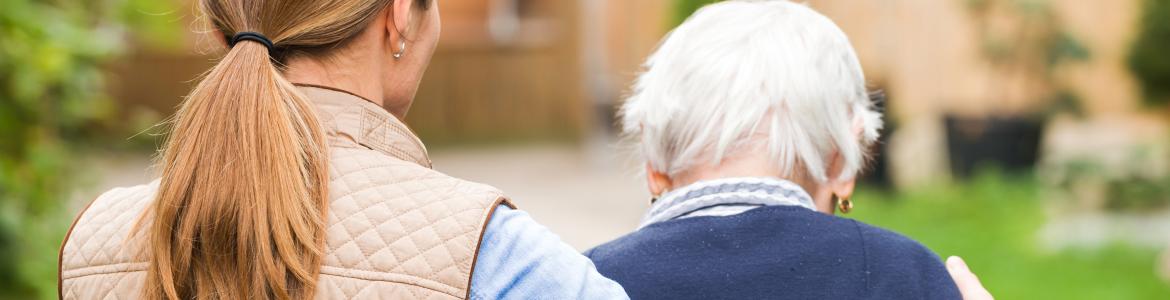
1031,137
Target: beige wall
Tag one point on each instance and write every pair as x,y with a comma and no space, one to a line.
1108,27
631,29
927,54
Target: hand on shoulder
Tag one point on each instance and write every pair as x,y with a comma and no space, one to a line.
968,283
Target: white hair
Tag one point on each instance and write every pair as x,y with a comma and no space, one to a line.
737,71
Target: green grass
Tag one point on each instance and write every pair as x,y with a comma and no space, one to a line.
992,222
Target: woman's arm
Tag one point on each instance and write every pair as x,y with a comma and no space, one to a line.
521,259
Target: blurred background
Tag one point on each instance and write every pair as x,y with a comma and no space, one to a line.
1031,137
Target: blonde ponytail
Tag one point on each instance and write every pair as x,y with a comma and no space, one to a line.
240,212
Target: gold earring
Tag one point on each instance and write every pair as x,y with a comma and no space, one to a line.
844,205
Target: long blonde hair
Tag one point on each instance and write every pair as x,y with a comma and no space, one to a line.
240,212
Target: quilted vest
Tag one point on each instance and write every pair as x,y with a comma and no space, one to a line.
396,228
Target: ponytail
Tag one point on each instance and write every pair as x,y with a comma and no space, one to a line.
240,210
241,206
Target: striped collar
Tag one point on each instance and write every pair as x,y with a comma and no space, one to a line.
725,197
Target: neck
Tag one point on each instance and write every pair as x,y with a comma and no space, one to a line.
747,165
732,167
355,73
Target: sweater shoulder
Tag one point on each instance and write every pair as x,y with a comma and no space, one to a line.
898,265
886,244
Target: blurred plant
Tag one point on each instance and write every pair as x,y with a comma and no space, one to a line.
1139,190
1132,187
51,99
1138,194
1148,58
1024,40
684,8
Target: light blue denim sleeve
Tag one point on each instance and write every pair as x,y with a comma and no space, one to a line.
521,259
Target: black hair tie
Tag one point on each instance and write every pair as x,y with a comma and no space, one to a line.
251,36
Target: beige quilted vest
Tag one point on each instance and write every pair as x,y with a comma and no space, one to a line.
397,229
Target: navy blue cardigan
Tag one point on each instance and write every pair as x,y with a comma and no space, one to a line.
774,252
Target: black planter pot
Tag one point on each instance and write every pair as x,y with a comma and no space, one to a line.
1011,143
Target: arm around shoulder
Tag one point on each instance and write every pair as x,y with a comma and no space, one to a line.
521,259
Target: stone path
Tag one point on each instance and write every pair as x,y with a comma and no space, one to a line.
587,195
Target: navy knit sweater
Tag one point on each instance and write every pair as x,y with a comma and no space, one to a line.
774,252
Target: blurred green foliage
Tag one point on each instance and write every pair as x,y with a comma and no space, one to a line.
1149,57
52,100
684,9
1036,45
1129,187
993,223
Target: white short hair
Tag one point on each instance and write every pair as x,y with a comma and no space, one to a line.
736,71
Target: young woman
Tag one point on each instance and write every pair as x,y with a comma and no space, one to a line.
754,121
288,174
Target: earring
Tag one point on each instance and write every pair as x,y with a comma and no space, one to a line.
654,198
401,51
844,205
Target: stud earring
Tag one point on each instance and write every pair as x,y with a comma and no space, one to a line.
843,205
402,50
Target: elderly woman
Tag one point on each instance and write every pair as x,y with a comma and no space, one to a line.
754,121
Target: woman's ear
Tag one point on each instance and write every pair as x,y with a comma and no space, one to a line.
399,18
658,183
843,188
838,185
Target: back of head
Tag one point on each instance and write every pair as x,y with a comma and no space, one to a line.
737,71
240,210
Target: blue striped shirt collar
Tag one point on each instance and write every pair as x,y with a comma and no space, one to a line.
726,196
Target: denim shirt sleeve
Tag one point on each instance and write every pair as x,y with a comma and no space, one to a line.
521,259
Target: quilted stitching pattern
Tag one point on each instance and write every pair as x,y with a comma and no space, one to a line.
97,234
332,287
397,229
427,233
100,260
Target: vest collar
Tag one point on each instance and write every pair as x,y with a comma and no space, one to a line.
351,121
